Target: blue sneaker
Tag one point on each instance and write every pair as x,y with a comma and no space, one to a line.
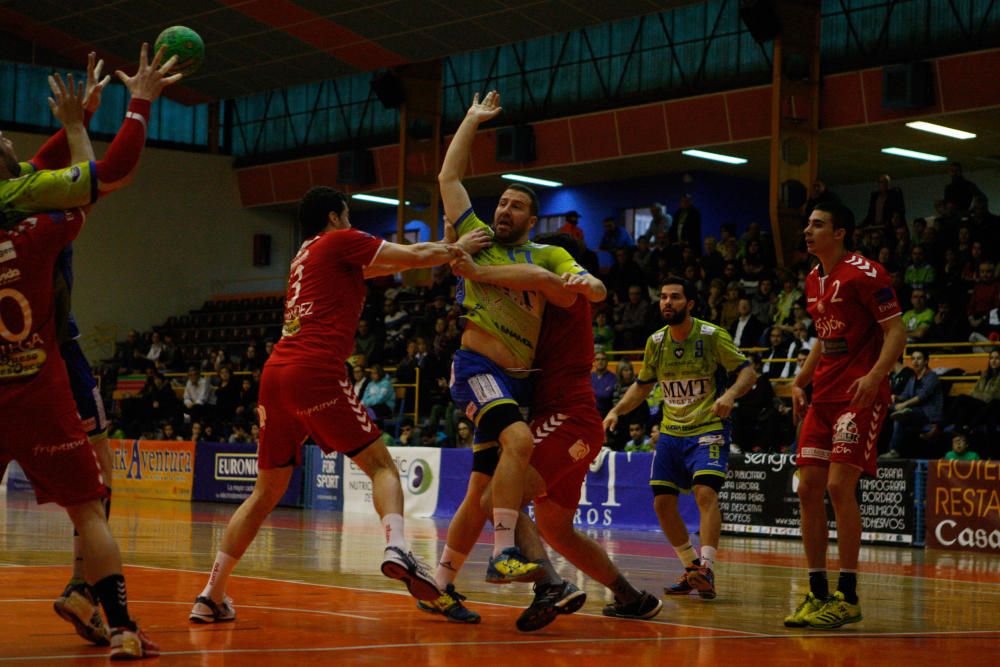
550,601
511,565
449,604
697,579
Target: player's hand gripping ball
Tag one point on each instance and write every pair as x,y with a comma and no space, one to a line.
184,43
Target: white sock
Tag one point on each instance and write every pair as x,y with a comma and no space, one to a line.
393,524
708,555
687,554
504,523
78,558
221,569
449,565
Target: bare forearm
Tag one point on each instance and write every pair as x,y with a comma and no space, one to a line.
527,277
636,394
80,148
744,382
892,347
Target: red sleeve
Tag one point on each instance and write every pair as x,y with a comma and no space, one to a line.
876,294
357,247
123,154
54,153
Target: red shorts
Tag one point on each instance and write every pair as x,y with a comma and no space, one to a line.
565,445
841,433
295,401
52,448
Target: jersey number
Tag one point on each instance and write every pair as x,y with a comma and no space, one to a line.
297,285
22,303
836,291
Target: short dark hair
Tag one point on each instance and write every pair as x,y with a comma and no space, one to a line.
926,353
686,286
564,241
519,187
315,208
842,217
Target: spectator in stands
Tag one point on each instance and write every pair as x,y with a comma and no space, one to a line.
255,433
712,310
171,358
615,236
731,306
786,299
248,395
431,435
985,294
196,433
406,369
755,416
268,351
168,432
603,381
625,378
901,245
919,274
251,360
155,348
883,203
379,396
803,337
818,194
985,224
638,441
604,334
227,395
959,192
960,449
159,401
981,407
367,342
747,329
686,229
800,359
919,318
642,255
240,433
712,262
463,434
129,358
197,396
659,224
397,327
631,327
624,273
919,406
948,325
772,362
407,434
208,433
572,226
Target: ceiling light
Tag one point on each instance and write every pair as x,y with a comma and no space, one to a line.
916,155
378,200
940,129
717,157
532,180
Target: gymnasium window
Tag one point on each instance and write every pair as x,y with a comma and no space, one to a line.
637,220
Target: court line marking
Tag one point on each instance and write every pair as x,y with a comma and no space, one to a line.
509,642
242,606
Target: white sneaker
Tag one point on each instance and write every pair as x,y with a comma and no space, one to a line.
205,610
404,566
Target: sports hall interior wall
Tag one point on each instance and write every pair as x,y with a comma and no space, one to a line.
169,240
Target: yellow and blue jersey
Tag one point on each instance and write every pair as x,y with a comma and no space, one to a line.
514,317
36,190
691,374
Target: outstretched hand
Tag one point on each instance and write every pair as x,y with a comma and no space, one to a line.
67,100
95,84
486,110
151,79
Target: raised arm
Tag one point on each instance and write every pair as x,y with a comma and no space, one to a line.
67,105
456,158
55,153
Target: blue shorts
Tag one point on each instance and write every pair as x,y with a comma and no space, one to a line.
479,385
86,395
680,461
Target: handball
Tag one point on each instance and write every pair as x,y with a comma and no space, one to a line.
184,43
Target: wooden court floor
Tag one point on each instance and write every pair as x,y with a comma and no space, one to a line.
309,592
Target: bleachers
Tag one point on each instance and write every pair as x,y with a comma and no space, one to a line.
229,322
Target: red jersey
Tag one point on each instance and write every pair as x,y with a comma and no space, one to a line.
566,357
326,291
30,363
848,307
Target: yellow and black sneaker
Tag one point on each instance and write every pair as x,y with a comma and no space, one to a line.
810,605
449,604
836,611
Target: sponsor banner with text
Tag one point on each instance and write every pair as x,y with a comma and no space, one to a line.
761,498
153,468
963,505
324,480
225,472
419,472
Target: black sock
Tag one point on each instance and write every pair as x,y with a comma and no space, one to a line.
625,592
818,585
111,591
848,585
107,505
696,563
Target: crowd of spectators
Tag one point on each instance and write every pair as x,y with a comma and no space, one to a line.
942,266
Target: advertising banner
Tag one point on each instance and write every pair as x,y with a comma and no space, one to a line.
419,471
324,480
761,498
963,506
225,472
153,468
17,482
